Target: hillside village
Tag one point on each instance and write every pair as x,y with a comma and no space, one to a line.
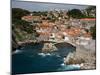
63,29
58,26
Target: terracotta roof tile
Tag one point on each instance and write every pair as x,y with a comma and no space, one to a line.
88,19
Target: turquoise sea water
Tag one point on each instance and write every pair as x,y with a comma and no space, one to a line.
30,59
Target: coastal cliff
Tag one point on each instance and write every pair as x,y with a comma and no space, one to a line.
84,57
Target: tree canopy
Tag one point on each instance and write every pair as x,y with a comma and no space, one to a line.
23,25
90,9
17,13
93,32
39,13
75,13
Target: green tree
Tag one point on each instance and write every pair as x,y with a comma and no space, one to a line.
39,13
93,32
91,9
17,13
23,25
75,13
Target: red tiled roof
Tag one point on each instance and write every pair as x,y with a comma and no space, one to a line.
44,33
88,19
27,17
87,34
73,31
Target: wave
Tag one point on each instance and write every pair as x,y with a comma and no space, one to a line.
65,67
44,54
76,65
62,64
17,51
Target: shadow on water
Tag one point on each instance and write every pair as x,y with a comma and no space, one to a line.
32,48
64,49
30,61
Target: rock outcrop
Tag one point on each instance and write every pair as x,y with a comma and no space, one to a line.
14,43
85,58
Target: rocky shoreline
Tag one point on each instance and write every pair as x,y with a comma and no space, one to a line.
85,58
